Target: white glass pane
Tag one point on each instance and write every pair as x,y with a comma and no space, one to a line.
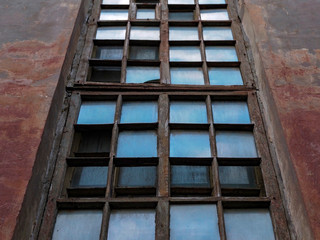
212,1
187,76
185,54
119,14
221,54
135,224
190,176
94,112
78,225
230,112
194,222
189,144
146,14
137,176
214,14
235,144
89,177
248,224
237,177
109,52
145,33
139,112
225,76
183,33
142,74
180,1
118,33
188,16
188,112
137,144
217,33
125,2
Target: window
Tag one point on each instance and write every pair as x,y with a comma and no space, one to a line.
145,13
111,33
220,54
187,76
94,112
145,33
225,76
185,54
139,112
183,33
114,14
214,14
188,112
217,33
143,74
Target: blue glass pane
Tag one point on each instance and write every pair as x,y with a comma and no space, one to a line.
185,54
139,112
190,176
230,112
89,177
238,177
187,76
145,33
114,14
180,1
217,33
187,16
214,14
225,76
235,144
194,222
94,112
146,14
248,224
137,176
183,33
221,54
189,144
142,74
137,144
118,33
188,112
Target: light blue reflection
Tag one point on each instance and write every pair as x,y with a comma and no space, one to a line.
89,177
225,76
235,144
189,144
190,222
180,1
145,33
230,112
96,112
239,177
139,112
78,225
212,1
187,76
142,74
137,144
137,176
146,14
185,54
132,224
183,33
248,224
188,112
217,33
114,14
190,176
214,14
125,2
221,54
118,33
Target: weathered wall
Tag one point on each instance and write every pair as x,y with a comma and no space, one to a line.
284,40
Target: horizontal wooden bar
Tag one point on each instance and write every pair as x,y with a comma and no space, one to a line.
197,191
239,161
143,4
220,42
245,192
91,127
181,7
135,191
223,64
154,23
192,161
189,126
81,203
142,63
87,161
112,23
192,23
213,6
135,161
186,64
91,154
216,23
184,43
236,127
138,126
144,42
114,6
128,203
227,97
187,98
86,192
107,42
104,62
246,202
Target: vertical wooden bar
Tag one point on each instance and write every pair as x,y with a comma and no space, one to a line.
105,222
164,44
125,54
162,221
221,221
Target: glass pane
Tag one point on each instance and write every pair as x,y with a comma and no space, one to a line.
89,177
132,224
143,74
180,1
106,74
185,54
183,33
217,33
214,14
95,141
188,16
221,54
212,1
230,112
248,224
125,2
145,33
109,52
187,76
119,14
190,222
139,112
94,112
235,144
190,176
78,225
137,176
143,53
118,33
137,144
188,112
189,144
225,76
146,14
238,177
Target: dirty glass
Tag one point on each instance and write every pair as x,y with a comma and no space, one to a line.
183,33
139,112
95,141
117,33
217,33
114,14
212,1
137,177
78,225
214,14
180,1
221,54
187,16
235,144
190,176
185,54
225,76
106,74
145,13
194,221
248,224
109,52
143,53
130,224
189,144
145,33
237,177
186,76
96,112
89,177
143,74
124,2
137,144
230,112
188,112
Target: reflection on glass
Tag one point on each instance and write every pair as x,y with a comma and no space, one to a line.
194,221
187,16
221,54
180,1
185,54
235,144
214,14
118,33
125,2
190,176
78,225
95,142
137,144
96,112
237,177
143,74
132,224
143,53
217,33
186,76
109,52
212,1
248,224
225,76
183,33
230,112
145,14
188,112
189,144
114,14
89,177
137,177
145,33
139,112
